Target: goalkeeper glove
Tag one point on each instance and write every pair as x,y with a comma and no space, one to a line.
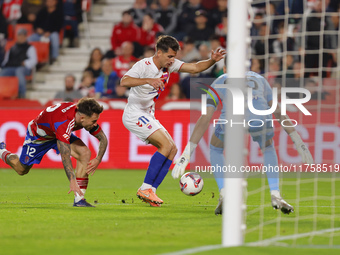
182,162
301,148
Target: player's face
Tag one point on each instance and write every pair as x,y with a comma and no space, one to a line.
89,122
168,58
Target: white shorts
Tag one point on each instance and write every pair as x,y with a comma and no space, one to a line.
141,123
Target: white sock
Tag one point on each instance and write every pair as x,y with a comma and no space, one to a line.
145,186
153,189
275,193
77,198
2,151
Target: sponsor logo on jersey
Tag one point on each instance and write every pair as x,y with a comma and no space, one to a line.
149,126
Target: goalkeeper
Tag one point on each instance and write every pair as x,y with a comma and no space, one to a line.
262,100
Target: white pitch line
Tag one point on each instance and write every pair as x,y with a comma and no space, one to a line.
194,250
295,236
260,243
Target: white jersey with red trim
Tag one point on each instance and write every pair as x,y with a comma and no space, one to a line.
143,96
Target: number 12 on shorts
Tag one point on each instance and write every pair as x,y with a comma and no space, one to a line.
30,151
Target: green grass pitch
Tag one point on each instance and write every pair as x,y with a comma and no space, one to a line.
37,217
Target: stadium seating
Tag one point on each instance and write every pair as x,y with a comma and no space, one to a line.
28,27
43,51
9,87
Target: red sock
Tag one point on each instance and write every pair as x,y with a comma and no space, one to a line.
83,182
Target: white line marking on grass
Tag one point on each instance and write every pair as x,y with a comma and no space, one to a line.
295,236
194,250
263,243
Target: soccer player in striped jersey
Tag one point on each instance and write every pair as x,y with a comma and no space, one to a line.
262,134
147,79
52,129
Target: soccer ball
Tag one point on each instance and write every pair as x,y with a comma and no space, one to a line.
191,184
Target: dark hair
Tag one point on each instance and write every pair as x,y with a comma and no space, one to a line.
165,42
91,59
89,106
129,12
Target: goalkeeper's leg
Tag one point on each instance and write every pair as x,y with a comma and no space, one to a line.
271,162
217,161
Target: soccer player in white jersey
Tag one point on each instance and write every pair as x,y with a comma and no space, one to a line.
262,100
147,79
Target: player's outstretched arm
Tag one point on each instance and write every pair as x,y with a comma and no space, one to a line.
129,82
199,130
65,153
291,131
94,163
204,64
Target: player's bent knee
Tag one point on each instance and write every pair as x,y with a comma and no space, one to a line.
85,154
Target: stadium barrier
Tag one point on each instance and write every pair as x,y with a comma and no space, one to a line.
126,151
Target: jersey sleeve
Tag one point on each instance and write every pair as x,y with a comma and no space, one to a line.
215,95
63,130
176,66
136,70
268,93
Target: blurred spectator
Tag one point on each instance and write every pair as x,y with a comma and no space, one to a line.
215,43
175,92
149,31
189,51
333,6
20,60
30,9
86,87
313,41
126,30
289,66
186,19
11,10
121,64
205,53
166,16
256,66
3,35
216,14
138,10
274,69
95,62
186,87
72,18
260,46
209,4
335,20
69,93
297,81
106,84
201,32
47,26
222,30
315,90
148,52
273,21
257,23
282,43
